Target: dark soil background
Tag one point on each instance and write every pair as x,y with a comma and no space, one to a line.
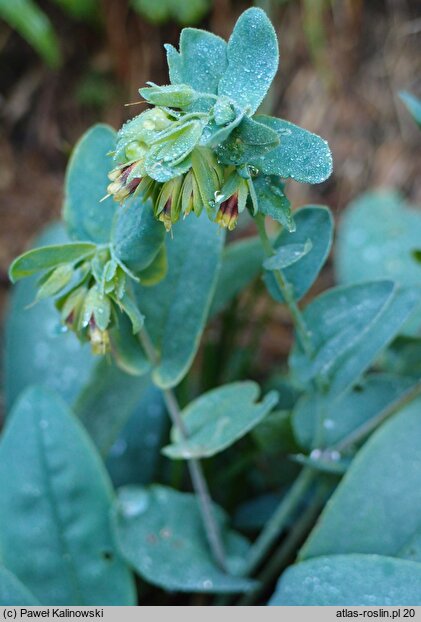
339,77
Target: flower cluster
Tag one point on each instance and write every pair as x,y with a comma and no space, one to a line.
170,155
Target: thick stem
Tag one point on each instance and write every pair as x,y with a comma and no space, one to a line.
195,468
285,288
277,523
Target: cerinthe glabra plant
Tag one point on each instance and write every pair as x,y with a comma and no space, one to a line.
201,154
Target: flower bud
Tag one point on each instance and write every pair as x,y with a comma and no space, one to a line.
227,215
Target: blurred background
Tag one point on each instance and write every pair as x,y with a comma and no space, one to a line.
66,64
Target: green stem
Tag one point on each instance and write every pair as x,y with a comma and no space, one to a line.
286,550
367,428
277,523
196,472
285,288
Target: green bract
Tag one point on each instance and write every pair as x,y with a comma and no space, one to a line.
209,108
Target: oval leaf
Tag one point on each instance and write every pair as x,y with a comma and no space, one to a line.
320,422
86,216
176,308
160,533
253,58
137,235
348,328
55,497
241,263
350,580
301,155
219,418
380,492
314,224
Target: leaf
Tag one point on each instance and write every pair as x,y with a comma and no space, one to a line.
105,405
219,418
247,141
200,62
241,263
315,224
413,104
301,155
12,591
376,236
176,309
34,333
157,270
377,233
137,236
348,327
86,184
34,26
272,201
350,580
287,256
320,422
47,257
253,57
55,496
127,351
380,492
135,455
160,533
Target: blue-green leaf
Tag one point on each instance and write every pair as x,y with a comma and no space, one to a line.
241,263
319,422
200,62
376,237
252,60
377,506
160,533
315,224
272,201
301,155
176,308
86,184
246,142
34,333
107,402
55,531
413,104
135,455
219,418
12,591
287,255
348,328
350,580
137,236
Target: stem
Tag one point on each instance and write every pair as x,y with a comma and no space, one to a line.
366,428
284,553
285,288
196,472
279,519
